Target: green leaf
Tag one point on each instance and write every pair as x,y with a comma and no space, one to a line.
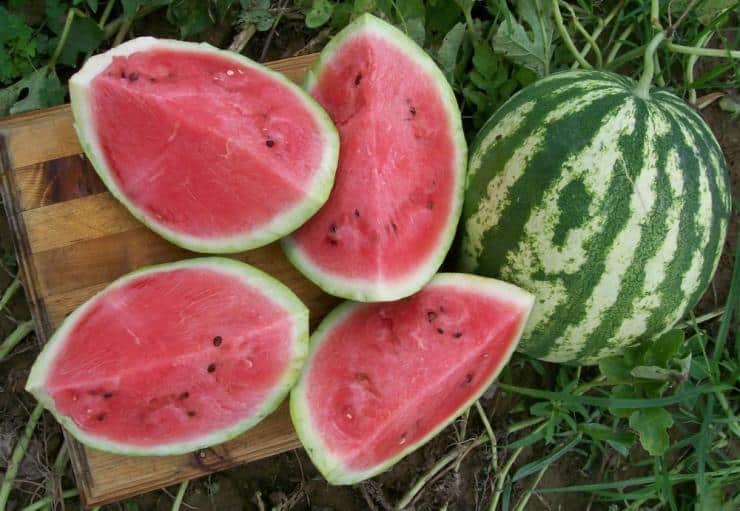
93,5
485,60
56,12
615,369
622,392
84,35
43,89
448,50
257,12
130,7
362,6
653,373
651,424
416,32
705,11
514,42
602,433
663,349
191,16
319,13
531,468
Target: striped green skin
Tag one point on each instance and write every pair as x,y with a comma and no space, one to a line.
611,209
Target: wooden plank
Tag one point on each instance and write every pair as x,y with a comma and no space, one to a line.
64,224
72,238
56,181
122,476
38,137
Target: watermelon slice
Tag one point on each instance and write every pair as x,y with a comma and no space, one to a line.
173,358
392,213
382,379
214,152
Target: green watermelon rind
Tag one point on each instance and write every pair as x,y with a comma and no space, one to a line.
255,278
331,466
370,290
664,233
285,223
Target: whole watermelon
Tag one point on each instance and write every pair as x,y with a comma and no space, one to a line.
611,208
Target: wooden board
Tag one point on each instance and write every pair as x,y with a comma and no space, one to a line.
72,238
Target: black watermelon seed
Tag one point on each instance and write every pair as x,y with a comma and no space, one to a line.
457,335
440,331
123,73
108,395
211,368
430,205
357,213
332,242
270,143
332,227
468,378
431,316
132,77
191,413
394,226
217,341
101,417
358,78
412,111
184,395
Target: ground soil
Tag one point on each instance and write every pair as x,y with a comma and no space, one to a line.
289,481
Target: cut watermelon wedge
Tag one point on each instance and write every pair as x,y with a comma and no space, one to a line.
397,198
382,379
214,152
173,358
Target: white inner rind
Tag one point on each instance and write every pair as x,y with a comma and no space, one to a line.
272,289
316,195
330,465
372,290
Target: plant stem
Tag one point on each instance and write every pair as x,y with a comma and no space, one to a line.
522,504
703,52
626,57
65,34
242,38
590,40
9,292
599,29
61,460
620,40
66,494
501,478
655,14
643,86
566,36
691,62
123,30
281,10
180,496
409,496
16,336
524,424
106,13
17,456
491,435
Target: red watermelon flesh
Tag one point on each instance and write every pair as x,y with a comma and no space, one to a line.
392,212
215,152
174,358
382,378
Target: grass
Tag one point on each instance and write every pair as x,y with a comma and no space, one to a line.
594,418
